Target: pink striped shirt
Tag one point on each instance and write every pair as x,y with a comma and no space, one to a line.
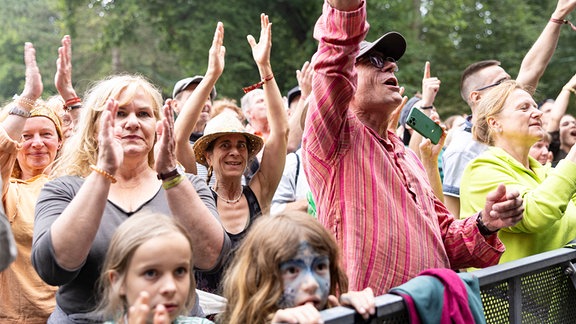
371,192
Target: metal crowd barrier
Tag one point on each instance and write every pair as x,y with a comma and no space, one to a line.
537,289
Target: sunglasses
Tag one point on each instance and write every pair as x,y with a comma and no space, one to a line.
378,61
497,83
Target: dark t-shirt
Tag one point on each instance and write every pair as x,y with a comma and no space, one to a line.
210,281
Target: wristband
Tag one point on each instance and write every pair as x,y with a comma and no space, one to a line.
259,84
179,170
426,107
485,231
169,184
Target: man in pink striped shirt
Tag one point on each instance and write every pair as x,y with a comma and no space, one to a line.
371,192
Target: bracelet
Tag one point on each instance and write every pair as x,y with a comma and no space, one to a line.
104,173
15,110
485,231
563,22
72,103
169,184
569,89
259,84
427,107
25,102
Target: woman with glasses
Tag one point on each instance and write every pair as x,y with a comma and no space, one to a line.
509,122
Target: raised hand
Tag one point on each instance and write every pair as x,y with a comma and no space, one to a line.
304,77
430,87
165,148
110,150
216,53
63,76
33,87
563,8
261,50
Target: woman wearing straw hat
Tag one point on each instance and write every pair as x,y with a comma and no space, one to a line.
227,147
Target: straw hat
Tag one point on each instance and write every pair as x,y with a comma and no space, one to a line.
225,124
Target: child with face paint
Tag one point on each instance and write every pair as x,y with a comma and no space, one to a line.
147,275
287,270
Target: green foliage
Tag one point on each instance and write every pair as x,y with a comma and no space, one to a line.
167,41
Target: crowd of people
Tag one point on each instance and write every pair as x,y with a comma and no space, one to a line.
122,206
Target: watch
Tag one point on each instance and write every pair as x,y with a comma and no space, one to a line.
179,170
15,110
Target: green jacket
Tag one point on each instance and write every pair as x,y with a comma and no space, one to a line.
549,211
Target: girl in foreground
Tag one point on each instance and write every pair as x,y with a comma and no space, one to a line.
147,276
288,278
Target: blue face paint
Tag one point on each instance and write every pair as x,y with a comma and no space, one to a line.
306,278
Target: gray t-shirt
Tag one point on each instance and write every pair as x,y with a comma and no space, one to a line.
7,244
78,291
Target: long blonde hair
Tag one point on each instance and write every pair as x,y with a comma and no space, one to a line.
128,237
82,148
253,284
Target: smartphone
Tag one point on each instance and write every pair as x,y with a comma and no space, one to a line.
424,125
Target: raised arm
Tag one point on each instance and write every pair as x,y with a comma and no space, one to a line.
14,123
266,179
327,127
186,205
192,108
304,77
430,87
536,60
22,105
63,79
560,105
85,210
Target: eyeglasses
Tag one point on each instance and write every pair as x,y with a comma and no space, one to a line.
66,119
497,83
378,61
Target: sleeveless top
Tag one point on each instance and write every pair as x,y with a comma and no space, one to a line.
209,281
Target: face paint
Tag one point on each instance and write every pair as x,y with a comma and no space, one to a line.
306,278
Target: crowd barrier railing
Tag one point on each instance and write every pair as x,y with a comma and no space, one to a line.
536,289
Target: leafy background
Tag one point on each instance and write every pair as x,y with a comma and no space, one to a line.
169,40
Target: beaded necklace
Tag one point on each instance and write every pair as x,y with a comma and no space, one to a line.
229,201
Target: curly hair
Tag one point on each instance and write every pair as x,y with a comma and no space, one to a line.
81,150
253,283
